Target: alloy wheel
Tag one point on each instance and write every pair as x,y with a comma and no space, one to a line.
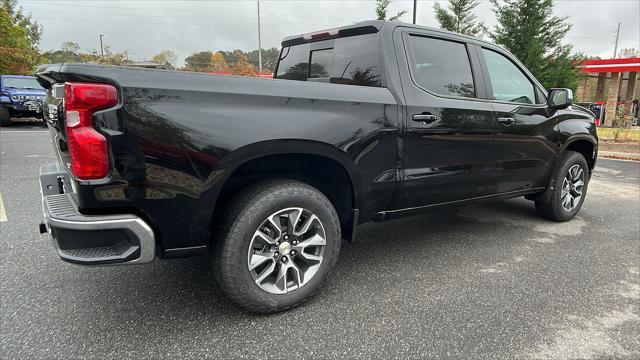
572,188
286,250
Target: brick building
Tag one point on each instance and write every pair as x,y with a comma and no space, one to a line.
611,81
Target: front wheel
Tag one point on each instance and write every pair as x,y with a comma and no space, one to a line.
5,116
280,241
571,179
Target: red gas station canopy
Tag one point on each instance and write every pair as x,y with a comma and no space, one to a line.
611,65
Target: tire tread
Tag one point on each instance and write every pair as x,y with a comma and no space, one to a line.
5,116
240,207
552,210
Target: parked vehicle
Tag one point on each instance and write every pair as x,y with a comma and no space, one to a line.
367,122
595,108
20,96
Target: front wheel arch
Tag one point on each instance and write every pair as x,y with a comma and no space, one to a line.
5,116
549,205
582,144
585,145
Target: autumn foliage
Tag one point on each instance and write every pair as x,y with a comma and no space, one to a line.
19,37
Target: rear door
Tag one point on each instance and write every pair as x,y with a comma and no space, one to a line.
524,151
448,142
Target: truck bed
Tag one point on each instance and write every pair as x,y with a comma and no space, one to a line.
175,136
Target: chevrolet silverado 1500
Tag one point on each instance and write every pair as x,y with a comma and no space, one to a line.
362,123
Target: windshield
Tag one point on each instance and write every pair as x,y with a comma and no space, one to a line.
20,83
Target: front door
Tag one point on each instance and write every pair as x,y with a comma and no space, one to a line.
448,143
525,154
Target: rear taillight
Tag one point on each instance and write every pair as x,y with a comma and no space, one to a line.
87,147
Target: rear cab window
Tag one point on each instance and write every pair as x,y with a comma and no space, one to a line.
441,66
347,60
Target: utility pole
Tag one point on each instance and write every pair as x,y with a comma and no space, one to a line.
615,49
259,42
101,47
415,6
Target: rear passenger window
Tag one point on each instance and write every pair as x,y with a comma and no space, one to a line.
321,63
294,63
350,60
508,82
442,66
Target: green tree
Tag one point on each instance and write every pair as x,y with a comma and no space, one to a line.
166,57
459,17
71,52
230,57
109,57
70,46
528,29
68,52
199,61
19,37
269,58
381,11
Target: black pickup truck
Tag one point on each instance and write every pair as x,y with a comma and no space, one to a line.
362,123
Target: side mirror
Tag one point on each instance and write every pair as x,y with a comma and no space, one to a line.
560,98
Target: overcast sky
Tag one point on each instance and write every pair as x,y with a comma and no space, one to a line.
146,27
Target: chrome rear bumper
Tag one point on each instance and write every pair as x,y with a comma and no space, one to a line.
90,239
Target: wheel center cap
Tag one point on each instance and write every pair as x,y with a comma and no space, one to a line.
284,248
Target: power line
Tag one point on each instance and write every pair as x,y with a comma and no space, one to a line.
125,19
233,25
289,1
209,18
243,12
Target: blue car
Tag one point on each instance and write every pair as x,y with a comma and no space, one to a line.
20,96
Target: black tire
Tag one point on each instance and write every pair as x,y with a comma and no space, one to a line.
5,116
554,210
244,215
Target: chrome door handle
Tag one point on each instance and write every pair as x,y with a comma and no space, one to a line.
425,118
506,121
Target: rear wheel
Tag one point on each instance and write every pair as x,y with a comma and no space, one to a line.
571,179
279,242
5,116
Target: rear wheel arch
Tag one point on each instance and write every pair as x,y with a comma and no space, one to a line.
319,165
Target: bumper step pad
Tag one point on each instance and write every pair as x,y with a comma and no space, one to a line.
93,239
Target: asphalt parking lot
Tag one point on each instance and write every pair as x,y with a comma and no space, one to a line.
490,281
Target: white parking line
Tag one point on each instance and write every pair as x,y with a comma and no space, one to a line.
3,214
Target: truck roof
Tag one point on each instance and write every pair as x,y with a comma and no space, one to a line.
365,27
